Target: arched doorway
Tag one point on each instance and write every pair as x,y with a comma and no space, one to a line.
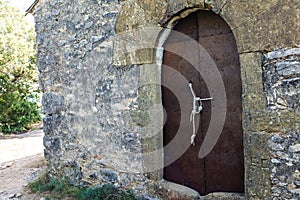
222,170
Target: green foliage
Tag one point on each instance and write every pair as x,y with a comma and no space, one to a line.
60,189
43,183
18,74
106,192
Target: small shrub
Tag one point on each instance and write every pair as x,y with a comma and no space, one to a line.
106,192
43,183
17,108
60,189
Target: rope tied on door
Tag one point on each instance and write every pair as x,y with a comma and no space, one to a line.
197,108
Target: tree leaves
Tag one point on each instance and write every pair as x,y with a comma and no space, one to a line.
18,71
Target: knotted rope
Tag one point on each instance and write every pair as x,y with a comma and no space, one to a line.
196,110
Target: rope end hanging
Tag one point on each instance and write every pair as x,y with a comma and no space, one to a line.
193,140
196,110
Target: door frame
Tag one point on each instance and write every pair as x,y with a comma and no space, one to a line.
153,71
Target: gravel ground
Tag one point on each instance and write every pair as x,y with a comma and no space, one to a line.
21,161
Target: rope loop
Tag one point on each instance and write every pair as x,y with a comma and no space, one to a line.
197,108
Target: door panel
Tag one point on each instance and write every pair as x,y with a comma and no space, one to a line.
223,168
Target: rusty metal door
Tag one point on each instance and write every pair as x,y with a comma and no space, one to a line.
222,170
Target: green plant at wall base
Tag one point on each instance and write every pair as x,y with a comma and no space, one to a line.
108,192
18,73
60,189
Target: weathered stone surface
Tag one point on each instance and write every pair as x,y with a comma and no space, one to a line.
245,19
223,196
155,9
175,7
215,5
251,74
109,175
150,106
275,147
281,75
87,99
133,15
263,23
284,166
52,103
103,120
257,161
277,139
171,190
258,90
136,46
295,148
139,26
231,10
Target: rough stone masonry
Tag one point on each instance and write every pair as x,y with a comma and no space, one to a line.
96,115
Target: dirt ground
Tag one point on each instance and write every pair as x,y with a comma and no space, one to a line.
21,161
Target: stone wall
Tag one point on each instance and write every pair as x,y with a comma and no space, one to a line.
97,120
271,142
89,103
281,77
281,74
284,167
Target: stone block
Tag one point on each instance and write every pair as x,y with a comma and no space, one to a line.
133,15
136,46
257,175
251,74
263,24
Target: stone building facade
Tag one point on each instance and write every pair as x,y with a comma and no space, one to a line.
96,58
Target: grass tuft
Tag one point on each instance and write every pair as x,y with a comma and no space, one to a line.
59,189
106,192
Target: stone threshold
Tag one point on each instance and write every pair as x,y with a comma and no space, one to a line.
174,191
